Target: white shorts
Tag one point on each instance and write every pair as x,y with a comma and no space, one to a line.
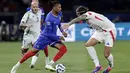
107,37
29,39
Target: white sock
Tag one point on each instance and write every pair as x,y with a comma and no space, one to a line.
34,59
51,62
15,67
47,60
92,52
110,60
18,64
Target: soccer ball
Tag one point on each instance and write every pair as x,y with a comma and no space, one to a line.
60,68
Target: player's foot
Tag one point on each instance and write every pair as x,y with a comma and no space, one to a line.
32,66
49,67
13,70
107,70
98,68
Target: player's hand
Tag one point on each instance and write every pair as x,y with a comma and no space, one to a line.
65,34
62,38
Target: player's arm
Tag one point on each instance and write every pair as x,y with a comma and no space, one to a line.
62,30
24,21
25,25
77,19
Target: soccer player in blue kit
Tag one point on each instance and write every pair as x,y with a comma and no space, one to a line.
48,37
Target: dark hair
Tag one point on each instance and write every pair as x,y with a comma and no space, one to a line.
52,3
81,9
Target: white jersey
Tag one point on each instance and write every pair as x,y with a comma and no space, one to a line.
32,20
105,29
99,21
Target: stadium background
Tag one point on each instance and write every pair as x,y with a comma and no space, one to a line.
77,59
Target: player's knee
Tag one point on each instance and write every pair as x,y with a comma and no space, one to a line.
35,51
106,55
24,50
63,49
87,45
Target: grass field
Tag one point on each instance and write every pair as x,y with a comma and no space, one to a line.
76,60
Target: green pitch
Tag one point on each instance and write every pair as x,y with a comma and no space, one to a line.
76,60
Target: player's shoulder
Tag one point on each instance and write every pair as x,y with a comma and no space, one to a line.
28,9
41,9
90,13
27,12
49,16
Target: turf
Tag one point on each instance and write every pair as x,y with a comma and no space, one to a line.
76,60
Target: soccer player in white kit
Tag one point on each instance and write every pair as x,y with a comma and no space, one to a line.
105,31
31,23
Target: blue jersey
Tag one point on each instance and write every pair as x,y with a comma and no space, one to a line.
42,17
52,24
49,34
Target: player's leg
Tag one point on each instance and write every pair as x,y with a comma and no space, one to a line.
95,38
25,45
109,41
34,59
47,55
39,45
109,58
62,50
23,59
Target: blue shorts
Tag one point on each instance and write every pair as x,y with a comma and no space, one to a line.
44,41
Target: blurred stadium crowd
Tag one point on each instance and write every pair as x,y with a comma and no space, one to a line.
11,11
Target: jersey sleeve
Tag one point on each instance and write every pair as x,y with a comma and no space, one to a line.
25,18
60,27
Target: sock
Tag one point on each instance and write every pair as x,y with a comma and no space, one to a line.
51,62
18,64
14,69
92,52
46,51
47,60
62,51
27,55
34,59
110,60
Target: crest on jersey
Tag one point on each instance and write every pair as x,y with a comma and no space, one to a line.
48,23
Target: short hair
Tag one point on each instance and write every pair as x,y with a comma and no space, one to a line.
52,3
81,9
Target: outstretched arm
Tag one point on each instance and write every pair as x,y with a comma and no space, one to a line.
82,17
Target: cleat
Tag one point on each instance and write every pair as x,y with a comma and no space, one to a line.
107,70
49,67
32,66
98,68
